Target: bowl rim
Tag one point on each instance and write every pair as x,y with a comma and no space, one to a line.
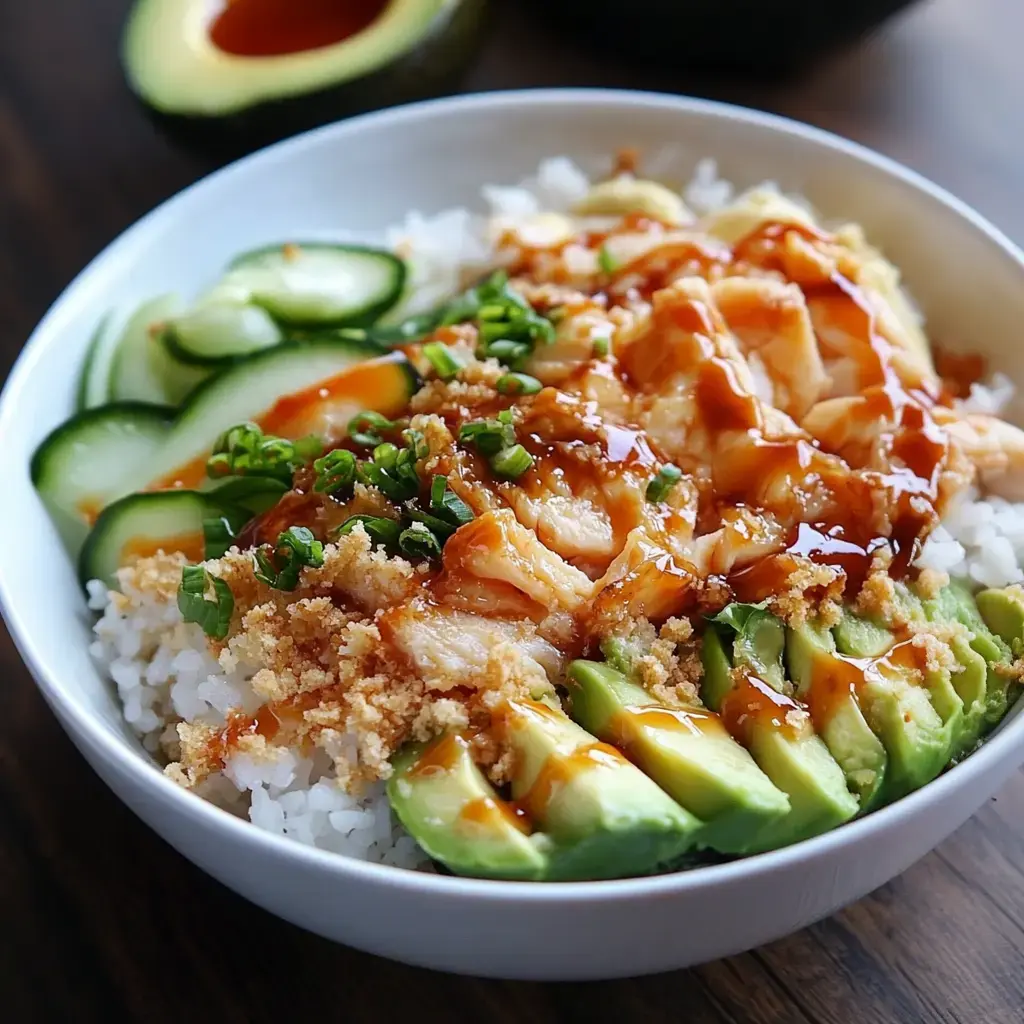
159,788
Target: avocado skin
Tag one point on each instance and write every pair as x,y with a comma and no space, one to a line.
704,769
434,67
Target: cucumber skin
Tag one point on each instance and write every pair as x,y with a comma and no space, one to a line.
163,414
179,354
93,352
363,317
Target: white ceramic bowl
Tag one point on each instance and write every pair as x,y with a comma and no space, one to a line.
364,174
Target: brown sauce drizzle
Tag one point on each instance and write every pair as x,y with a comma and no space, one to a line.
751,700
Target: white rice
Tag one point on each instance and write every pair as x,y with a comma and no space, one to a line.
161,666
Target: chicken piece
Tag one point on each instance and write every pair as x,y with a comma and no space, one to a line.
881,279
626,194
496,547
752,210
993,446
644,580
771,323
744,537
575,343
449,649
574,527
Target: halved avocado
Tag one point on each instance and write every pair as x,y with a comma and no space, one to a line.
259,70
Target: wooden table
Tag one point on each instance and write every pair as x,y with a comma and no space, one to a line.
102,921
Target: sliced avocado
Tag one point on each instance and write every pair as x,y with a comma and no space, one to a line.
606,818
1001,612
447,805
686,751
747,687
826,683
257,71
896,706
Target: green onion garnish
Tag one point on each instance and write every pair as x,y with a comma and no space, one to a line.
511,462
380,530
511,353
335,472
518,384
279,568
444,361
667,477
489,436
446,504
418,542
416,443
213,615
364,429
602,346
244,450
606,261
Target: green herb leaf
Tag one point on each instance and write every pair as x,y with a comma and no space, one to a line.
667,477
221,529
280,566
255,494
244,450
335,472
444,361
380,530
512,462
213,614
518,384
606,261
419,543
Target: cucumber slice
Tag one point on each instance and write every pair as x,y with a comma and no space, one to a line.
271,388
255,494
315,283
82,465
94,383
140,525
217,332
137,372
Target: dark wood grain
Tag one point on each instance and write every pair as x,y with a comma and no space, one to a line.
102,921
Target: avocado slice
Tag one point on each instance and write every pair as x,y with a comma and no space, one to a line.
997,622
686,751
827,683
897,707
446,804
258,72
606,818
747,687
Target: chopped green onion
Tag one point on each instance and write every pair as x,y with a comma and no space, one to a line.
214,616
511,463
335,472
511,353
438,526
489,436
518,384
308,448
602,346
445,503
380,530
386,456
444,361
667,477
364,428
606,261
416,443
296,547
505,416
244,450
418,542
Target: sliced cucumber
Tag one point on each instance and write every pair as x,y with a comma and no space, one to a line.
138,367
315,283
94,383
255,494
82,465
217,332
271,388
142,524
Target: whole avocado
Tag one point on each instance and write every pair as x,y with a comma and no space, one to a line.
230,103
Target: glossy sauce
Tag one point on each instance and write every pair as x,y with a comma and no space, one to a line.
751,700
269,28
486,812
